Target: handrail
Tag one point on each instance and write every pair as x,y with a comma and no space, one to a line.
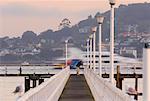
103,90
49,90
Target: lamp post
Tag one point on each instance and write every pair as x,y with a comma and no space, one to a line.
66,48
94,47
146,72
90,41
87,53
100,20
112,3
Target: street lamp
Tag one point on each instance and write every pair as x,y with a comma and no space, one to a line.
94,46
90,38
100,20
66,46
112,3
87,53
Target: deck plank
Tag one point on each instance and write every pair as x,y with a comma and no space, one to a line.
76,89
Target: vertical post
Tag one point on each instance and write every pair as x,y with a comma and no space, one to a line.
100,50
90,53
94,51
66,42
118,78
100,20
6,70
87,53
34,83
20,71
112,44
27,84
136,87
41,81
146,73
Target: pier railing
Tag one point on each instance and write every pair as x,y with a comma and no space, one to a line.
49,90
103,90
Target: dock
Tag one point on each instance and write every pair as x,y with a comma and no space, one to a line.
76,89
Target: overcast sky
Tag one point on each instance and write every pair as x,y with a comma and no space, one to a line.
18,16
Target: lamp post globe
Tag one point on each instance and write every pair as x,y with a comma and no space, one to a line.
66,41
90,37
94,29
100,19
112,2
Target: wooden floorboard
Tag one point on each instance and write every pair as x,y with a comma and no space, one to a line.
76,89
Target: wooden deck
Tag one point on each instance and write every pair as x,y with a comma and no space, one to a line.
76,89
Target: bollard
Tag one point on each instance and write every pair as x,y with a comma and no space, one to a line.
146,73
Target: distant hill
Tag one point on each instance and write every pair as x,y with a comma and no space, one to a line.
128,18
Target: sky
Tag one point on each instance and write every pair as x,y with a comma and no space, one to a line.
18,16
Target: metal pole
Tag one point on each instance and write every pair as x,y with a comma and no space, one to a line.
100,50
112,45
94,51
146,74
90,53
66,42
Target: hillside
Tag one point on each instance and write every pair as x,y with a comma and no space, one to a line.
132,18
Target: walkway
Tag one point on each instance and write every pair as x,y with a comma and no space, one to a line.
76,89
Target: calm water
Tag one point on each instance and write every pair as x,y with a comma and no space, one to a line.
28,69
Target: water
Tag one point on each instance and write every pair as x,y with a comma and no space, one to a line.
28,69
8,84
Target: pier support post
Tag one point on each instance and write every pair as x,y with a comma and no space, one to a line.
41,81
27,84
34,83
146,73
136,87
119,79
